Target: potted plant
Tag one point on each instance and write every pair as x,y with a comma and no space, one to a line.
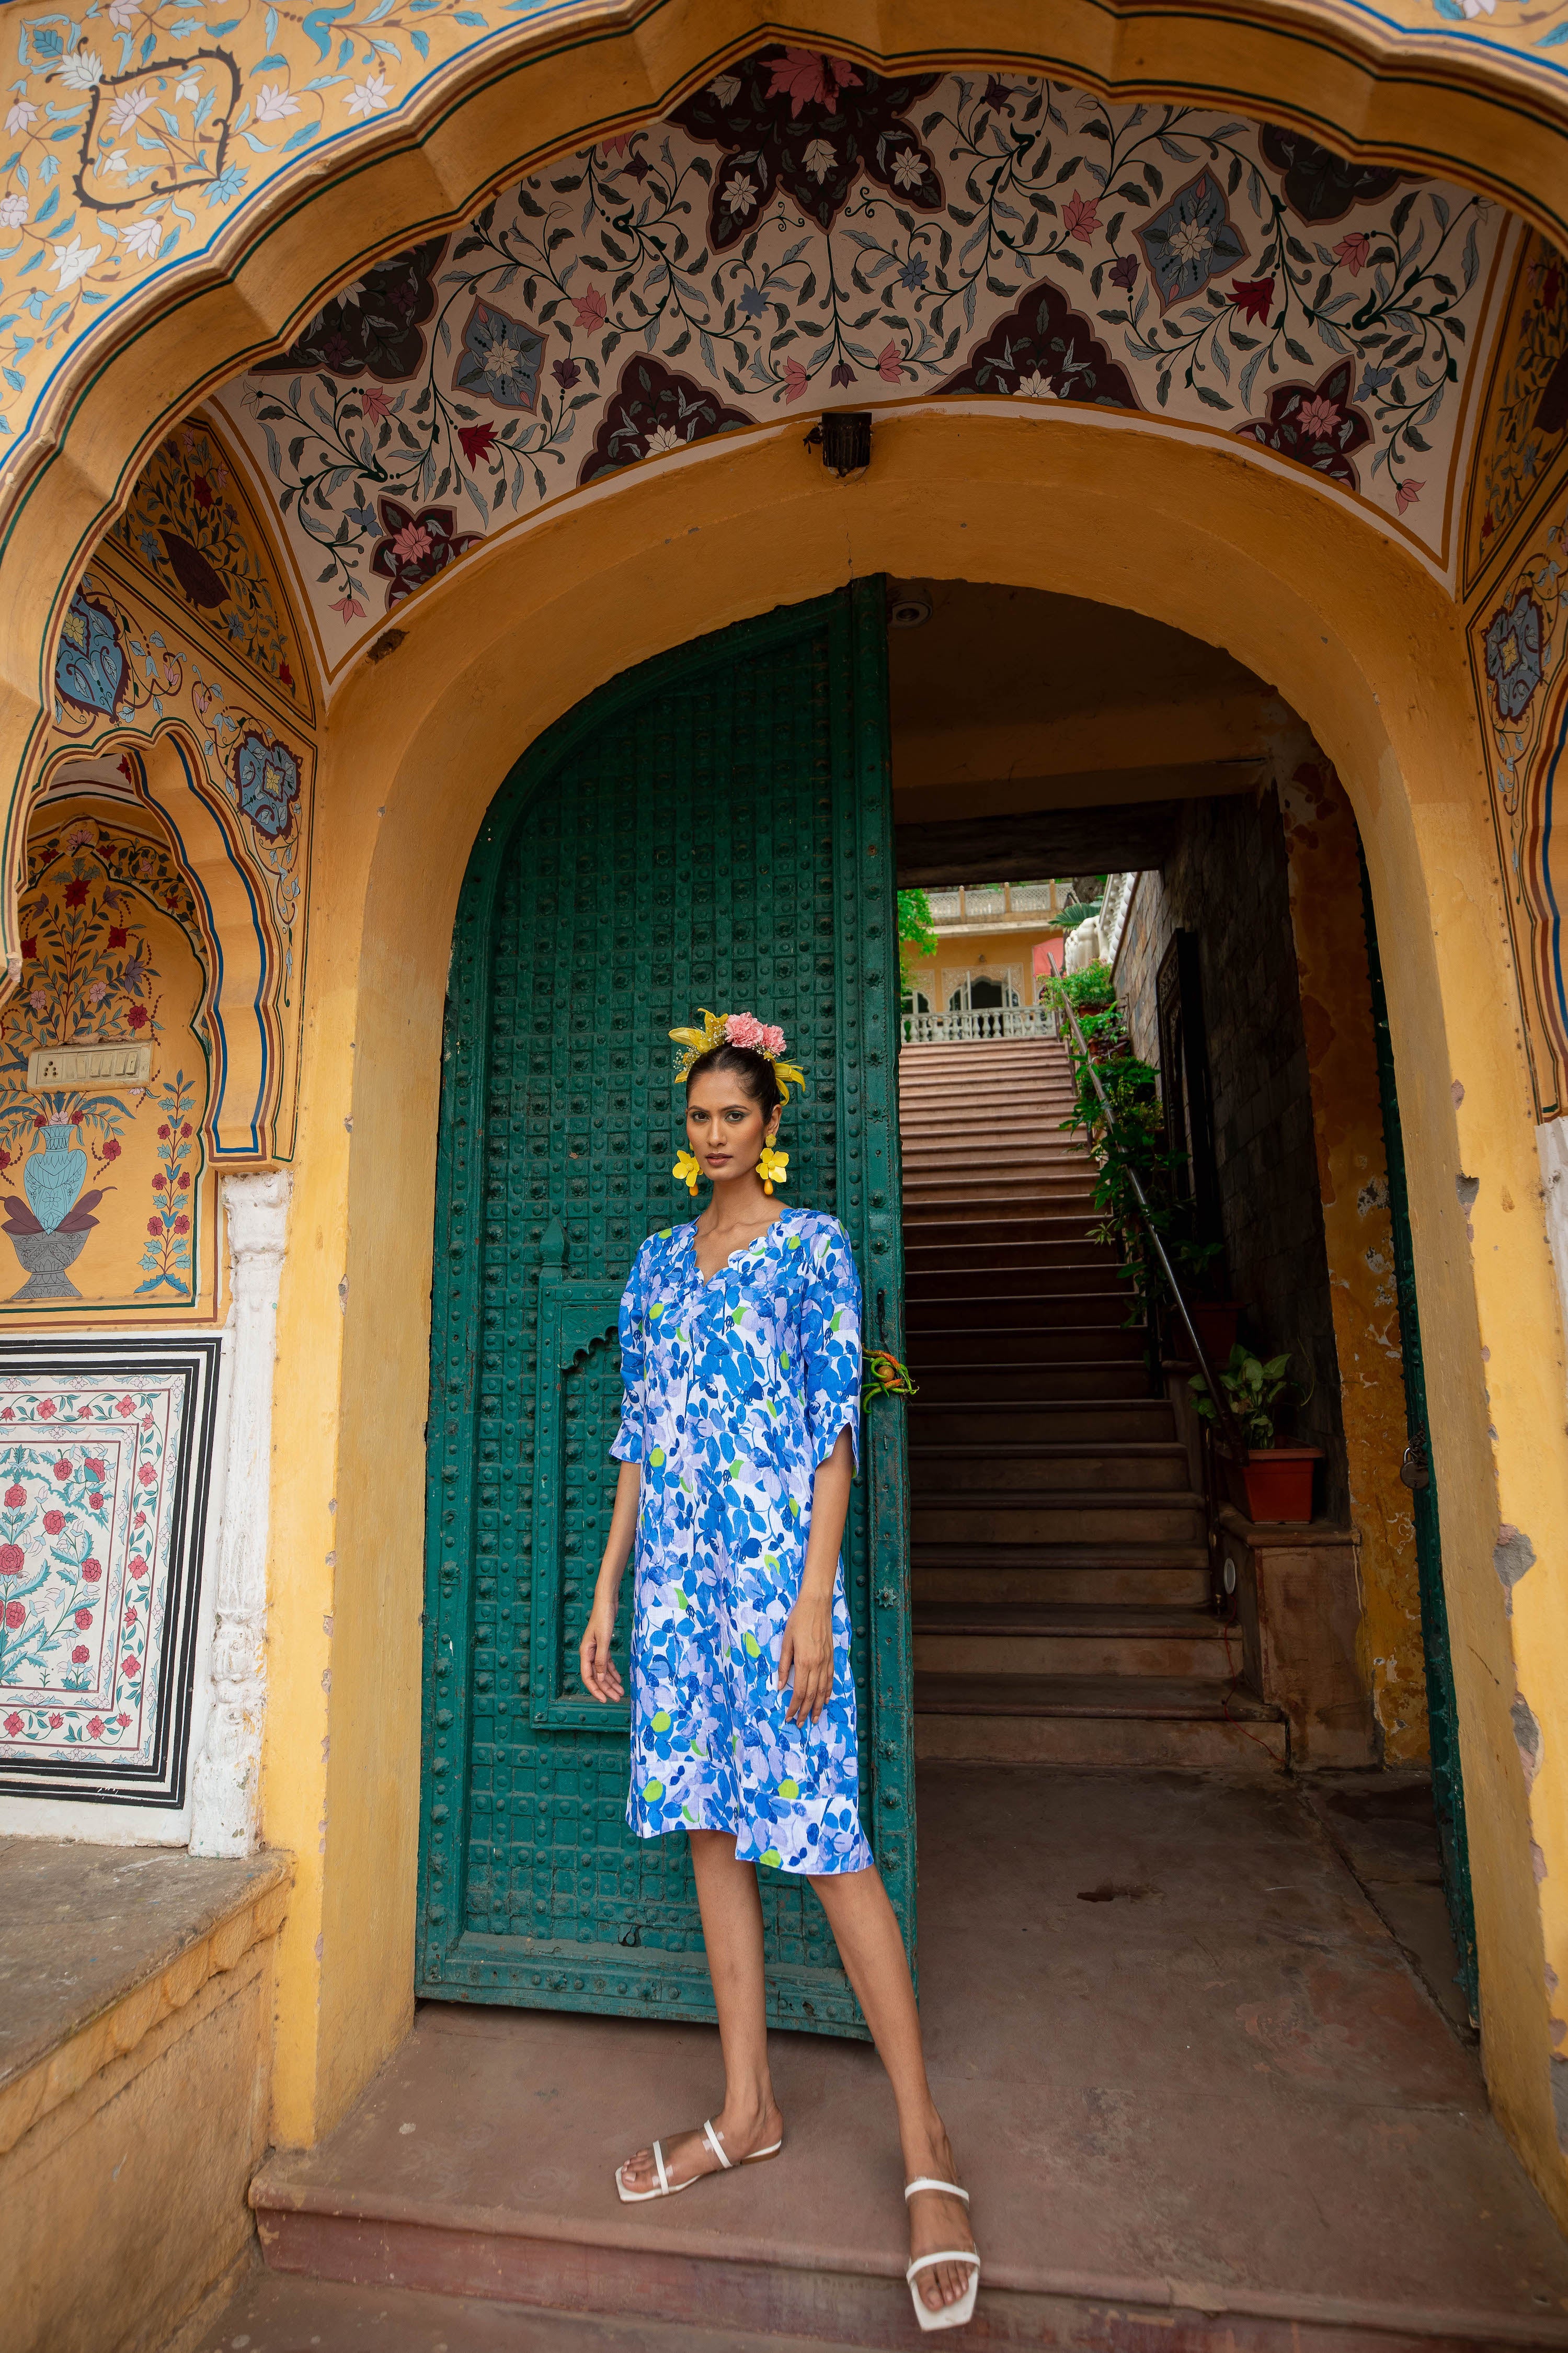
1277,1480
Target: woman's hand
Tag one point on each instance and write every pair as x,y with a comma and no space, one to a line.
599,1675
806,1653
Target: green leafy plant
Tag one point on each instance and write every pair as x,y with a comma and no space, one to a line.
916,930
1256,1389
1131,1142
1079,913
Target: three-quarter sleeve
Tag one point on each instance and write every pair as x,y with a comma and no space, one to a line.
830,1342
628,1444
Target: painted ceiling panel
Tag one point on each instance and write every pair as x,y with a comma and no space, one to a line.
803,234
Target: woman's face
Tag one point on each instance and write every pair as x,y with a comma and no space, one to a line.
724,1128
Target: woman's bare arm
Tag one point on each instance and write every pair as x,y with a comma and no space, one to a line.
806,1653
598,1670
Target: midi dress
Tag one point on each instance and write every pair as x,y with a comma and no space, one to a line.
735,1393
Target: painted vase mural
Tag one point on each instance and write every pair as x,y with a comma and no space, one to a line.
54,1176
108,930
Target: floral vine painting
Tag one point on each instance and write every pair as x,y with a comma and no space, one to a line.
100,1183
804,232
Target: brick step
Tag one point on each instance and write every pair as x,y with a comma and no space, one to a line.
991,1471
1035,1383
1040,1424
1138,1516
969,1584
1026,1344
1029,1304
1182,1645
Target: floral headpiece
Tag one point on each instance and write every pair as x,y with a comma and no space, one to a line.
743,1030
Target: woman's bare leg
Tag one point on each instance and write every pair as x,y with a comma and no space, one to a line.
867,1934
733,1931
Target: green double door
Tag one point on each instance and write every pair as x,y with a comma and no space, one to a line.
713,828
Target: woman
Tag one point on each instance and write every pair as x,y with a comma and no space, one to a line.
741,1357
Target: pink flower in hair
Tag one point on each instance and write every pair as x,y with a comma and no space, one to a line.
745,1030
773,1038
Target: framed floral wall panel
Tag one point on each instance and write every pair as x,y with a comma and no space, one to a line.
105,1457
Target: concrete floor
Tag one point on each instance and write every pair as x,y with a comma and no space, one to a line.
1195,2071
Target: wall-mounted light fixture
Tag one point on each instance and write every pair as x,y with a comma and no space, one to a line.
844,437
909,604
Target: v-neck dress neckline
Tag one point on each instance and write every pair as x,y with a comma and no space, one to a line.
758,1242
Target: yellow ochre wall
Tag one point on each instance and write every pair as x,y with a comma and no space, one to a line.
1358,639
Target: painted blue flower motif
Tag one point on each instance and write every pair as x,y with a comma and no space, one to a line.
267,778
753,301
501,358
1191,240
91,672
913,272
736,1391
1513,655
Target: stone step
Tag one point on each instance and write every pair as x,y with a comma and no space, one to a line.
980,1204
1171,1645
1015,1345
1175,1699
1040,1381
968,1583
1138,1516
997,1240
947,1270
1041,1424
991,1469
1027,1303
1236,1743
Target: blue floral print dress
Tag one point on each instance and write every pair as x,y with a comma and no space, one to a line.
736,1391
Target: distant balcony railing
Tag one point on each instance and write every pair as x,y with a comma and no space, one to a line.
973,902
993,1021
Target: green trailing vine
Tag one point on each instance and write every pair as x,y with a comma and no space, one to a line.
1130,1142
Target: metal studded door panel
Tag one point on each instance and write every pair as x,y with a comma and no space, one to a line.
713,828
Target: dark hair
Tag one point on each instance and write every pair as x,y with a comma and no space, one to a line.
754,1072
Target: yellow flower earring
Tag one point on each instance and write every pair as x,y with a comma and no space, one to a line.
771,1167
686,1171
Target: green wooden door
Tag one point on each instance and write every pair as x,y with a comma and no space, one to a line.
713,828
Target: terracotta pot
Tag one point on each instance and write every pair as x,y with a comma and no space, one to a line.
1279,1481
1216,1320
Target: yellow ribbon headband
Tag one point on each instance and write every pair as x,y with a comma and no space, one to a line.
736,1029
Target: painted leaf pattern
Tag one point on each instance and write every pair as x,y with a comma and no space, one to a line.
736,1391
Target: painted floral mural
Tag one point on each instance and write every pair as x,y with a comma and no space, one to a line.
138,131
98,1583
113,957
804,232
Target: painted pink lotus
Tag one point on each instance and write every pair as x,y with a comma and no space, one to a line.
1408,493
15,1615
147,1474
14,1496
809,78
591,309
80,1655
12,1560
1317,417
891,364
411,542
1354,251
14,1723
54,1521
92,1570
796,379
83,1621
56,1721
62,1469
95,1727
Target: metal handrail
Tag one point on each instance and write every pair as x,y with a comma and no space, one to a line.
1228,1435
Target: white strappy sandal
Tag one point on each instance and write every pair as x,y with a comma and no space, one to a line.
668,2189
946,2315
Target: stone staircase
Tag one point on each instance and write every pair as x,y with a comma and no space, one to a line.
1061,1581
